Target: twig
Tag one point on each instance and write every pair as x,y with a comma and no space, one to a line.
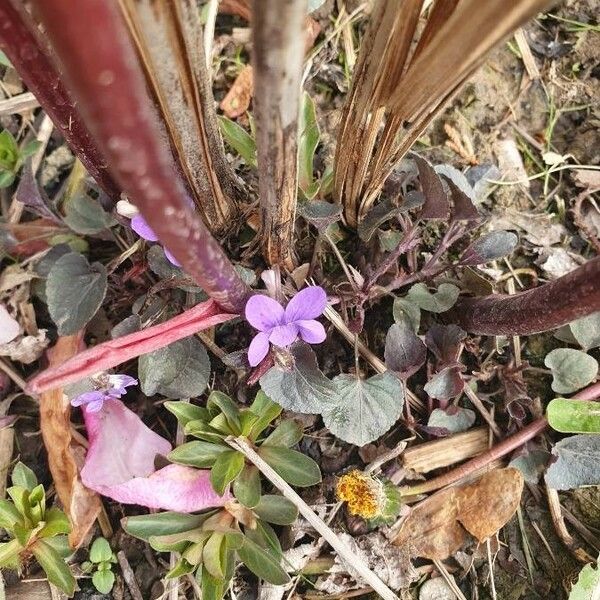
13,375
499,450
18,104
242,445
439,565
561,528
129,576
209,33
478,404
526,55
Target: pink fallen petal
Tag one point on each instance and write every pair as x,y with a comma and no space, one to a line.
9,328
120,464
115,352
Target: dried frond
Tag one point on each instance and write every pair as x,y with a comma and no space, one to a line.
395,95
170,46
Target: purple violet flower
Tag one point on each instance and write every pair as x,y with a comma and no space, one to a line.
281,327
107,387
141,227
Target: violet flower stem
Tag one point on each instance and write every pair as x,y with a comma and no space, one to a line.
20,42
95,49
408,241
498,451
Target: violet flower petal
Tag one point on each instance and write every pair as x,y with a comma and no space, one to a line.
311,331
120,464
118,383
259,348
308,303
96,405
88,398
264,313
283,335
141,227
171,258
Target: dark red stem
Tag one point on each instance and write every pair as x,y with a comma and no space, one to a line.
19,41
546,307
100,65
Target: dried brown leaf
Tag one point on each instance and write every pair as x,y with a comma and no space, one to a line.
81,505
237,100
439,526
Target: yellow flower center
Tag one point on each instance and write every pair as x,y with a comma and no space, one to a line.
363,493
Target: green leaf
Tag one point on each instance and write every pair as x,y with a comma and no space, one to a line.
228,407
9,554
364,409
186,411
56,523
587,331
438,302
405,310
197,454
296,468
6,179
179,370
4,60
211,555
24,477
247,420
276,509
103,581
201,429
288,433
587,586
193,553
267,411
571,369
9,515
574,416
212,587
177,542
227,467
100,550
308,140
261,563
54,566
20,497
246,487
85,215
75,291
165,523
264,535
182,567
30,148
239,139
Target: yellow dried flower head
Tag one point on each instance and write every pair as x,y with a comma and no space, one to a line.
364,494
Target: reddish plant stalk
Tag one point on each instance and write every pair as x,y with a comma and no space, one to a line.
546,307
19,41
502,449
115,352
104,76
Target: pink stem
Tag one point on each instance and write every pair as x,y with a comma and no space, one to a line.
115,352
19,40
100,64
473,465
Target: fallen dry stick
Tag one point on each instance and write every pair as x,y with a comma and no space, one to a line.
242,445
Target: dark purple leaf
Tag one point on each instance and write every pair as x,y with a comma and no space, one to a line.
405,353
490,246
446,384
461,194
437,205
386,210
32,196
445,342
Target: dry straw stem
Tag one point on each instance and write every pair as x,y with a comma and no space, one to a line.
454,41
169,41
242,445
444,452
278,50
